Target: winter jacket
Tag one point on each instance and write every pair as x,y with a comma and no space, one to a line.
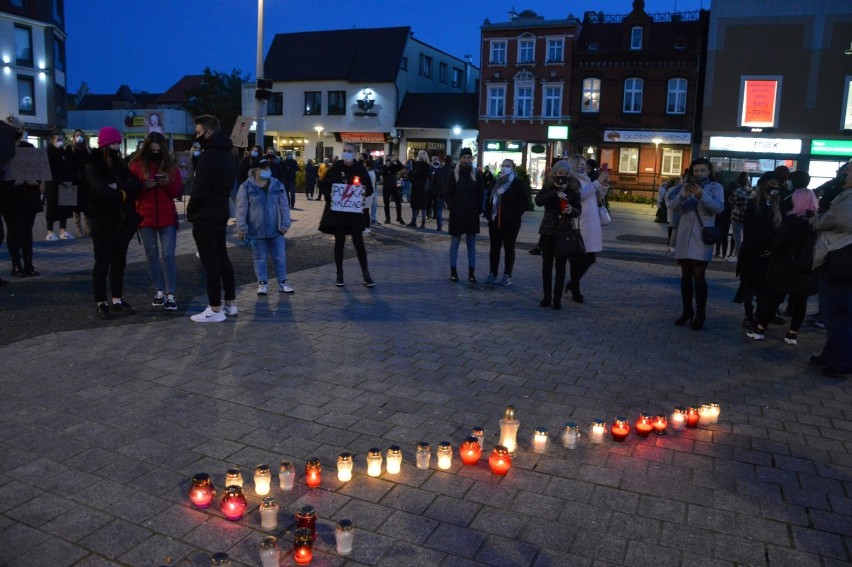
688,243
262,212
213,180
419,177
510,206
464,193
389,176
553,205
591,192
340,172
156,205
62,171
739,201
786,275
834,227
104,201
288,170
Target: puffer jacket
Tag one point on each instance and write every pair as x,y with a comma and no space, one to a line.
156,205
262,212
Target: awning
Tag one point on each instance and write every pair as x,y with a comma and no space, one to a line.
363,137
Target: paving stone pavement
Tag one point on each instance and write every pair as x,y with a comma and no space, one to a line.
104,427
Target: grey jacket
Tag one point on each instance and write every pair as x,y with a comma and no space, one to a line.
834,227
688,243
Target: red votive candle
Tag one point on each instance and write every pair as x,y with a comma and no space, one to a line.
644,425
470,451
692,416
234,503
620,429
500,461
313,472
202,492
660,424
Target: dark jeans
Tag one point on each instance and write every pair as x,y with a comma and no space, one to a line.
357,241
209,236
19,238
439,211
502,238
767,307
550,287
392,195
836,312
290,187
722,245
110,256
579,266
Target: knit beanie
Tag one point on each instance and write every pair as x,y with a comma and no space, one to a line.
561,165
108,135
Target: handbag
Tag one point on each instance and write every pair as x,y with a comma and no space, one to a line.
710,235
838,266
603,214
568,241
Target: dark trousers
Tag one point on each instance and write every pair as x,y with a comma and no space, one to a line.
502,238
290,187
767,307
722,245
836,312
550,287
392,195
357,241
209,236
19,238
110,256
579,266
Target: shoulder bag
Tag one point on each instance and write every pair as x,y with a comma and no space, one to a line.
568,241
603,214
710,235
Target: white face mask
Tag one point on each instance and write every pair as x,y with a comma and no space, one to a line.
506,170
60,143
254,154
196,153
265,174
347,156
79,139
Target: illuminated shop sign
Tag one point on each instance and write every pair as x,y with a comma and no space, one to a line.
831,147
557,132
756,145
759,102
503,146
847,104
646,137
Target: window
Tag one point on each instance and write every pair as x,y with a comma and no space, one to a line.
313,102
496,101
591,95
553,102
526,50
555,49
498,53
636,38
60,105
676,100
846,110
457,78
24,46
628,160
672,162
442,72
17,3
425,66
58,54
336,102
403,64
523,102
26,95
633,96
58,10
275,104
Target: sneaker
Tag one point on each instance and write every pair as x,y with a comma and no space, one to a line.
209,316
159,299
262,288
32,272
368,281
339,281
505,280
376,223
123,307
285,287
756,334
819,324
367,231
491,279
103,311
791,338
732,259
171,304
51,236
66,236
230,310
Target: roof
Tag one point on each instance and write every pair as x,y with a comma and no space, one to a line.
357,55
176,94
438,110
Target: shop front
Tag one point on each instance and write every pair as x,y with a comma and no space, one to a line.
432,146
754,155
495,151
639,160
826,158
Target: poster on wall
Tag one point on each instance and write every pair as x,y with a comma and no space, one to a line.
154,123
759,101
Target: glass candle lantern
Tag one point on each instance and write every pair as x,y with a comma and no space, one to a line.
233,478
691,416
344,534
644,425
678,419
509,431
286,476
202,492
470,450
660,424
220,559
479,433
374,462
570,435
344,467
262,480
705,414
303,547
715,410
597,431
394,460
234,503
500,460
313,472
270,553
306,518
620,429
539,440
423,455
269,514
445,455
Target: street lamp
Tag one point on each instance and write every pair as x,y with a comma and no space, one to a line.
259,109
657,142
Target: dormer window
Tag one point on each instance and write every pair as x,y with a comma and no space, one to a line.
636,38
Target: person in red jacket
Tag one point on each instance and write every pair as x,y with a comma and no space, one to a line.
161,185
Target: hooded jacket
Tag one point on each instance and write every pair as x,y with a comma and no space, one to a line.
213,180
262,212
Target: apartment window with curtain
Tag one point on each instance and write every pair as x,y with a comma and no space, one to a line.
275,104
496,101
498,53
636,38
23,46
26,95
552,101
526,50
425,66
676,99
524,101
628,160
313,102
672,162
337,102
591,95
633,96
555,50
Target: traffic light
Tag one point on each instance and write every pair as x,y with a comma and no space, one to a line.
263,91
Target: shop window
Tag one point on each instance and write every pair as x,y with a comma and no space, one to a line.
496,101
633,96
591,95
672,162
846,123
313,103
628,160
336,103
676,99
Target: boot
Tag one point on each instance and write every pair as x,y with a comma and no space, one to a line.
470,277
339,281
557,298
454,275
686,298
547,286
78,225
700,305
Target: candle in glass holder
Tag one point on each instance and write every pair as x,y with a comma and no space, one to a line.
479,433
539,440
286,476
234,503
270,553
202,492
313,472
660,424
394,460
644,425
424,455
470,450
262,480
678,419
691,416
705,414
500,460
306,518
269,514
344,467
597,431
715,410
303,545
233,478
445,455
374,462
344,534
509,431
220,559
620,429
571,435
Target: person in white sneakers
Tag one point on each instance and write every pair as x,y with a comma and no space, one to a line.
263,213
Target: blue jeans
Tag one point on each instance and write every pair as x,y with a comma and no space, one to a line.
375,205
835,303
439,211
275,247
470,241
738,237
161,242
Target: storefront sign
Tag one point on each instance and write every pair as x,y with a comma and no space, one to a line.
831,147
756,145
759,102
557,132
646,137
363,137
503,146
428,145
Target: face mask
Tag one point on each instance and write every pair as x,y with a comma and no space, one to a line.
347,156
265,174
464,165
201,139
254,154
155,157
773,192
505,170
560,181
196,153
60,144
115,147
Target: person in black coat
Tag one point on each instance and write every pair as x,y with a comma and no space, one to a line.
504,207
288,168
245,164
62,171
390,188
464,194
310,179
419,178
439,183
113,219
81,154
344,174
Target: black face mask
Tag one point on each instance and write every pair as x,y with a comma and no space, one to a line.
202,141
156,157
464,166
560,181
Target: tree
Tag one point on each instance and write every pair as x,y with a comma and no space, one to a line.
219,94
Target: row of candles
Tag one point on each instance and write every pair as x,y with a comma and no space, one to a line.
234,503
